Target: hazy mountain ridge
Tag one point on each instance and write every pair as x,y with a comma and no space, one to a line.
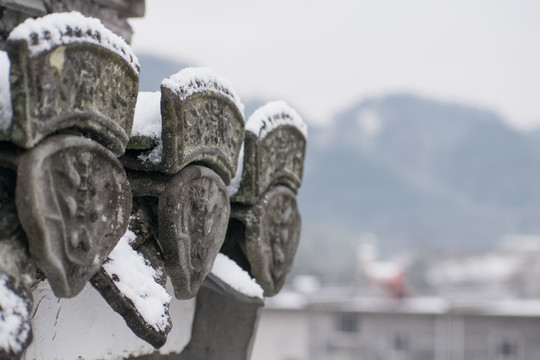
442,171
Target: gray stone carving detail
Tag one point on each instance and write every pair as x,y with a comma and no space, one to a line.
95,91
17,272
271,236
74,203
204,127
278,158
193,214
223,328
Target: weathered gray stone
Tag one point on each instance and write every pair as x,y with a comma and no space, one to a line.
204,127
223,328
277,158
270,239
16,274
73,87
74,203
193,214
147,183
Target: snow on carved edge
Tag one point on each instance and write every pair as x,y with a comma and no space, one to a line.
194,80
136,280
236,277
47,32
274,114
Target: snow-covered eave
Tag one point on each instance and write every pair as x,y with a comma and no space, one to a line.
194,80
50,31
273,115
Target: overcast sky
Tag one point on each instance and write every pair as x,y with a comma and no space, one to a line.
322,56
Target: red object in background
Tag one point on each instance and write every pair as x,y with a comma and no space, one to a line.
397,288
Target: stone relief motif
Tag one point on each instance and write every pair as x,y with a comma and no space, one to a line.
278,158
272,246
193,214
203,128
74,203
282,156
90,83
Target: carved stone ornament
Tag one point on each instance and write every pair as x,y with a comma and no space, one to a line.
274,152
74,203
271,238
202,121
77,78
193,212
211,129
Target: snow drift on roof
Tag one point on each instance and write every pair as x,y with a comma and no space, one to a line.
194,80
45,33
274,114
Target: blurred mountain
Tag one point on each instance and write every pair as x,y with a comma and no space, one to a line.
420,174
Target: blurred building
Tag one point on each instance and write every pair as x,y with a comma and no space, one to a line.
300,327
480,307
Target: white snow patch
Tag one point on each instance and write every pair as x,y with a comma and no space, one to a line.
14,331
154,156
137,282
274,114
45,33
194,80
6,111
233,188
232,274
147,120
370,122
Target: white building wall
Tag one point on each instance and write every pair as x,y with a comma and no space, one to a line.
282,335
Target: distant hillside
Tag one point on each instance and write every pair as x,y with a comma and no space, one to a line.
420,174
